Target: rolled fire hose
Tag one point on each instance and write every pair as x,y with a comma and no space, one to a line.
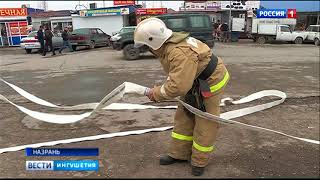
108,103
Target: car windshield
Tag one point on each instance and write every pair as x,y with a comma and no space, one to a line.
124,30
80,31
32,34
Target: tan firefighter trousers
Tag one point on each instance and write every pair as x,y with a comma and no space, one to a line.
192,136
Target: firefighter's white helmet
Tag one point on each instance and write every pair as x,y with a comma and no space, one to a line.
151,32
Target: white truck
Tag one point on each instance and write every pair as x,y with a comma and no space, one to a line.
263,30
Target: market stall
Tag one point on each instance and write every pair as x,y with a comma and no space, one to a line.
14,25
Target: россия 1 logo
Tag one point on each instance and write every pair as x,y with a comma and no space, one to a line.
276,13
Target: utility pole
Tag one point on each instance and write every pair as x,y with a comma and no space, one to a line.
104,5
229,21
229,16
229,13
43,5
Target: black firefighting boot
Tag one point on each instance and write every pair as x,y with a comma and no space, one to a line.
197,171
167,160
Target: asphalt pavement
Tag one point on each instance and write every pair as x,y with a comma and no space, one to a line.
88,75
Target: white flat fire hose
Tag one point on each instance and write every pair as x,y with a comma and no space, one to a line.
107,103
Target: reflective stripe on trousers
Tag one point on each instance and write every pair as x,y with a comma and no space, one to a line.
202,148
181,137
190,138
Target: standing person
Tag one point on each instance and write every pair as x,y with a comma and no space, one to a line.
224,28
41,39
4,36
48,37
198,77
216,30
66,43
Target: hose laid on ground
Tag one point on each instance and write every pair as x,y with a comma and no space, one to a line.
130,88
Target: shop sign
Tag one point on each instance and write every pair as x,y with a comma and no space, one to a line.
105,12
119,2
151,11
213,5
195,6
13,11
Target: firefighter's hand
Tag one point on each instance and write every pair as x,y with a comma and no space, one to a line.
149,94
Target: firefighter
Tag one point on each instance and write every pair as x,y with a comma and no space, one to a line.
198,77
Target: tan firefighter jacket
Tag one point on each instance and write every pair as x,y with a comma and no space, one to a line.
183,58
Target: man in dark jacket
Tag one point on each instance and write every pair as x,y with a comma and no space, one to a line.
216,30
41,39
224,28
48,37
66,43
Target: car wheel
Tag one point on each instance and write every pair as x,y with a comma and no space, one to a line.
130,52
298,40
317,42
261,40
92,44
74,48
28,51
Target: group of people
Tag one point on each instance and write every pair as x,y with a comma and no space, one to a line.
221,31
45,36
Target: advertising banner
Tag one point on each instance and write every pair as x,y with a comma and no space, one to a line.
18,28
13,11
213,5
105,12
120,3
151,11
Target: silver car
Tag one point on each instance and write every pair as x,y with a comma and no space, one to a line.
31,42
313,34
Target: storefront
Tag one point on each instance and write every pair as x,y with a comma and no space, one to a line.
56,20
109,20
143,13
14,25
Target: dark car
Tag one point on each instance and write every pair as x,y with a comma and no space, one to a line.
90,37
198,25
118,35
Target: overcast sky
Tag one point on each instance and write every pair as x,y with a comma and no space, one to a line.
70,5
